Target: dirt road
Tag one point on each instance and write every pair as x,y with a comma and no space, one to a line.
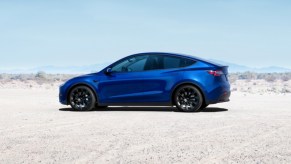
35,128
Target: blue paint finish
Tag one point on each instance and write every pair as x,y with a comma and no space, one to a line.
152,86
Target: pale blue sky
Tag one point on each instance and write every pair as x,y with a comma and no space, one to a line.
35,33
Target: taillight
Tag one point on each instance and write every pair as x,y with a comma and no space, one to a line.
215,73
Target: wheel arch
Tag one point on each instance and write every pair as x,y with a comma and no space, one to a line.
82,84
187,83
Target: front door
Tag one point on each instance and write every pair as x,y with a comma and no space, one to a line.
133,87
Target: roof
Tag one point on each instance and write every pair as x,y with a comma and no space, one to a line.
178,55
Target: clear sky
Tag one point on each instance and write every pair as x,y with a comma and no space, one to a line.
36,33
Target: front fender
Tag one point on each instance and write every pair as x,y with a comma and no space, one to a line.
69,85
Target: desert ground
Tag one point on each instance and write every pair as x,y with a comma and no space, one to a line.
254,127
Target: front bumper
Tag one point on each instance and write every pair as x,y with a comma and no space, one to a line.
62,96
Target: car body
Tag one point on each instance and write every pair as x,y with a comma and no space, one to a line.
150,79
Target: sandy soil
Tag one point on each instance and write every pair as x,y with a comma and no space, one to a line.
262,86
251,128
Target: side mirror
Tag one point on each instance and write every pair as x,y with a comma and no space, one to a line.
108,71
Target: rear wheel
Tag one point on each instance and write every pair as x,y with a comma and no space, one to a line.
82,98
188,98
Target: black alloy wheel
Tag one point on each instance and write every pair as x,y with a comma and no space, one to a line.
188,98
82,98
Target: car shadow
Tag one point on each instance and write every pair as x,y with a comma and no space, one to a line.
214,109
145,109
126,109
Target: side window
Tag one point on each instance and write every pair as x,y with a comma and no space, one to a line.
176,62
138,65
154,62
186,62
134,64
171,62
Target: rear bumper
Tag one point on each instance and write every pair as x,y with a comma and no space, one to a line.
219,95
224,97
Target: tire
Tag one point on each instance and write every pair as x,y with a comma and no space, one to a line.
203,106
188,98
82,98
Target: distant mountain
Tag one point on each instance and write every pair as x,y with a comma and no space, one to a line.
272,69
241,68
97,67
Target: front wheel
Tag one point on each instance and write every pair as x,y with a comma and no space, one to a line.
82,98
188,98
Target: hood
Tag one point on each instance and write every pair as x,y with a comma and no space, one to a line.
84,78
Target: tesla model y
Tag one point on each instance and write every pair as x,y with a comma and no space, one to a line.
150,79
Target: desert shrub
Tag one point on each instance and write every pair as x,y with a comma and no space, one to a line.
4,76
41,75
247,76
20,77
233,78
285,90
270,77
286,77
260,76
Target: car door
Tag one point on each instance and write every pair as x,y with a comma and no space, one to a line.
138,79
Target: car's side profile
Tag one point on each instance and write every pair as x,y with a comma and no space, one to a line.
150,79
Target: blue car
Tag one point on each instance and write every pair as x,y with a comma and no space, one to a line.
150,79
